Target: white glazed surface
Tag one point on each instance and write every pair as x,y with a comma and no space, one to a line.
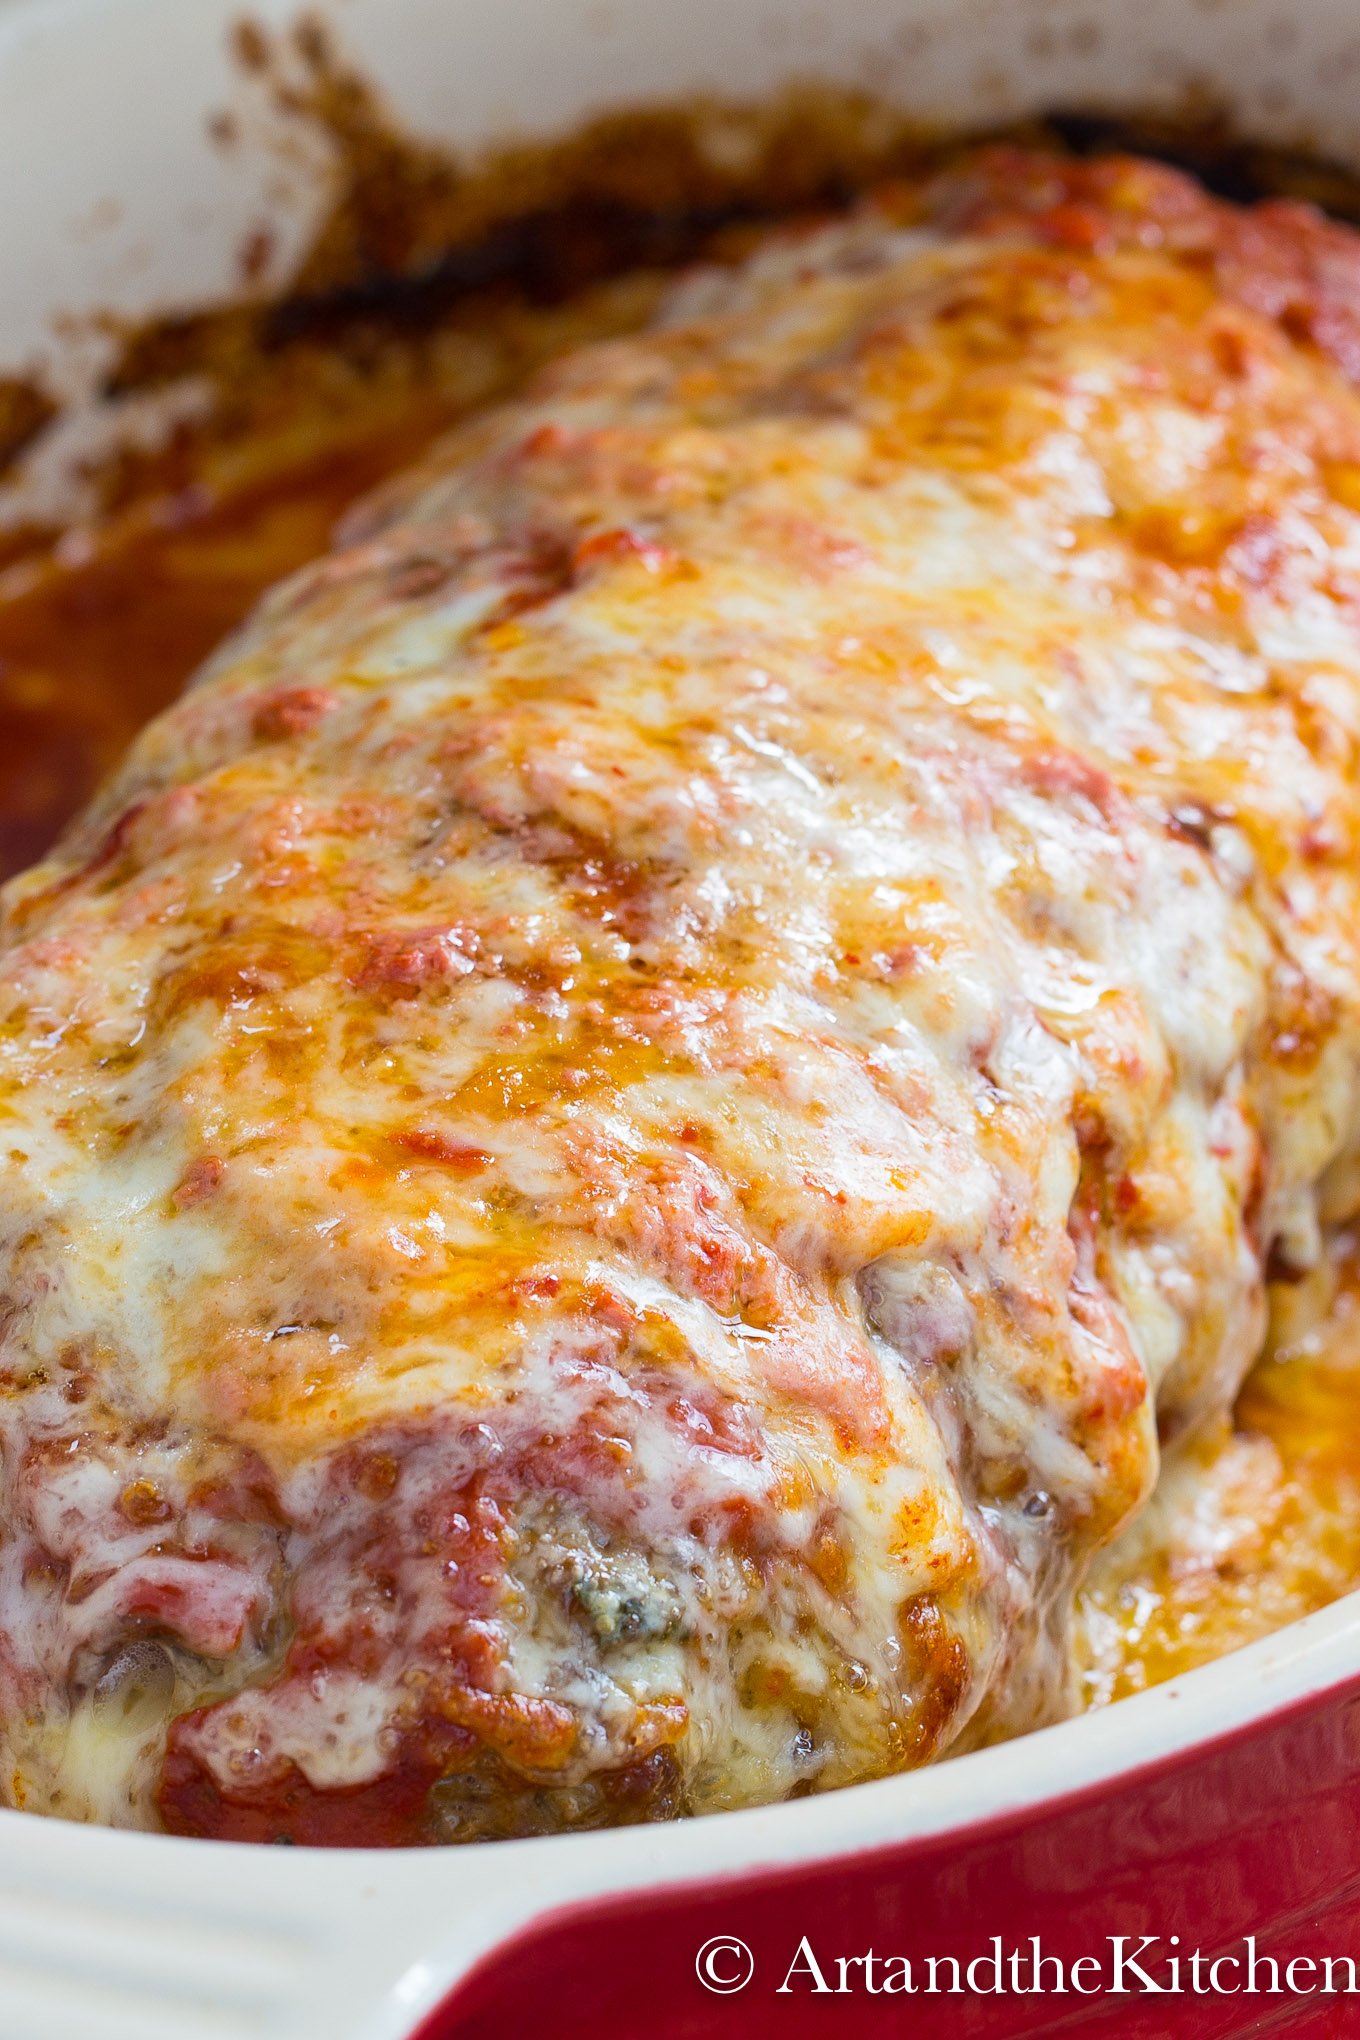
117,199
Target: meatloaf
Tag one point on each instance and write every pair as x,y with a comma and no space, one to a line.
627,1133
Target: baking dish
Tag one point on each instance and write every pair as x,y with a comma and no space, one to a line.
1212,1809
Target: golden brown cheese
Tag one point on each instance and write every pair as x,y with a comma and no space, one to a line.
622,1129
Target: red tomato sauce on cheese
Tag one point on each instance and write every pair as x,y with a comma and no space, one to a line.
1259,1520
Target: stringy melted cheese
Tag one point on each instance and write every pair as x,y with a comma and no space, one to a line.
623,1127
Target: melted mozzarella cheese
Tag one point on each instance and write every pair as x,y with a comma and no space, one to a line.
623,1126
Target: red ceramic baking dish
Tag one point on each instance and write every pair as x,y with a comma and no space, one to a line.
1185,1862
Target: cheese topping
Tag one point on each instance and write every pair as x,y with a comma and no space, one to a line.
623,1128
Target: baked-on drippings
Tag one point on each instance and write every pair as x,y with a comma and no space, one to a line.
625,1127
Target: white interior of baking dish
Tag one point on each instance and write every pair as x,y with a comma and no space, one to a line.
128,206
116,199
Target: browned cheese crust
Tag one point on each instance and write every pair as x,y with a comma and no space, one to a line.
624,1128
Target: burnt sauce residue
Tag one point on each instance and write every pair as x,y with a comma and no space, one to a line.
430,288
